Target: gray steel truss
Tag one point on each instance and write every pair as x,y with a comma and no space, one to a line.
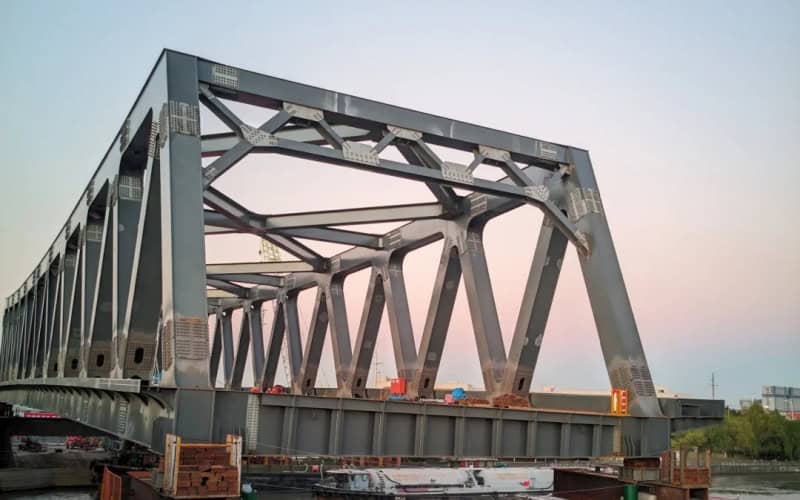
124,291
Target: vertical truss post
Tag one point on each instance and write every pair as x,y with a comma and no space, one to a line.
184,309
437,321
314,342
241,348
54,343
41,335
18,338
185,338
98,298
340,332
19,345
483,310
256,341
53,284
30,330
367,334
227,349
535,308
70,300
36,324
30,337
613,315
4,341
126,220
7,322
216,348
273,347
26,332
91,241
137,337
30,306
13,354
8,336
405,350
293,343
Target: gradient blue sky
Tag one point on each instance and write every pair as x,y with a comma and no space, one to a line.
691,111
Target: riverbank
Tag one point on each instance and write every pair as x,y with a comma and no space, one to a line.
36,471
19,479
738,468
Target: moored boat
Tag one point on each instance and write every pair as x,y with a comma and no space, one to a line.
436,482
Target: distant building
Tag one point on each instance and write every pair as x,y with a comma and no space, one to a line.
744,404
784,400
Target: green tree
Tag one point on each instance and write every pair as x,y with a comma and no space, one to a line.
753,433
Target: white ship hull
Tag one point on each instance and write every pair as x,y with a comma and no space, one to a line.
444,483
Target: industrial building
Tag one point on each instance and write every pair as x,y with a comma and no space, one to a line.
784,400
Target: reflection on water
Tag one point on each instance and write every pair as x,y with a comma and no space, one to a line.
58,494
785,486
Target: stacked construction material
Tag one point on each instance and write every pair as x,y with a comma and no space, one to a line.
193,470
205,470
509,400
469,401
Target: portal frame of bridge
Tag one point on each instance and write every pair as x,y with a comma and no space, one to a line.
125,292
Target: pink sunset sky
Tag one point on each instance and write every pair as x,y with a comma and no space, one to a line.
690,112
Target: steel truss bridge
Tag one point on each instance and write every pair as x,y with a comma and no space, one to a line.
125,291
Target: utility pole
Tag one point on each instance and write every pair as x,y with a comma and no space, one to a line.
713,387
377,364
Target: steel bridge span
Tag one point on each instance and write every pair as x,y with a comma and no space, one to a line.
124,293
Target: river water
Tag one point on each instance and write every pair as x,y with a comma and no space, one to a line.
785,486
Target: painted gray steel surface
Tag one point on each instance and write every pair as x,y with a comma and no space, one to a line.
308,425
124,291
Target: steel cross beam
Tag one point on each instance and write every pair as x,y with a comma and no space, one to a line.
125,290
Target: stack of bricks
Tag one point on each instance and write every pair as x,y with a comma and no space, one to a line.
204,471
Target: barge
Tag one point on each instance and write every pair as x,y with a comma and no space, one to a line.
436,483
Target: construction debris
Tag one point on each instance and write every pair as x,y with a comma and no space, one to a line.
510,401
471,402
